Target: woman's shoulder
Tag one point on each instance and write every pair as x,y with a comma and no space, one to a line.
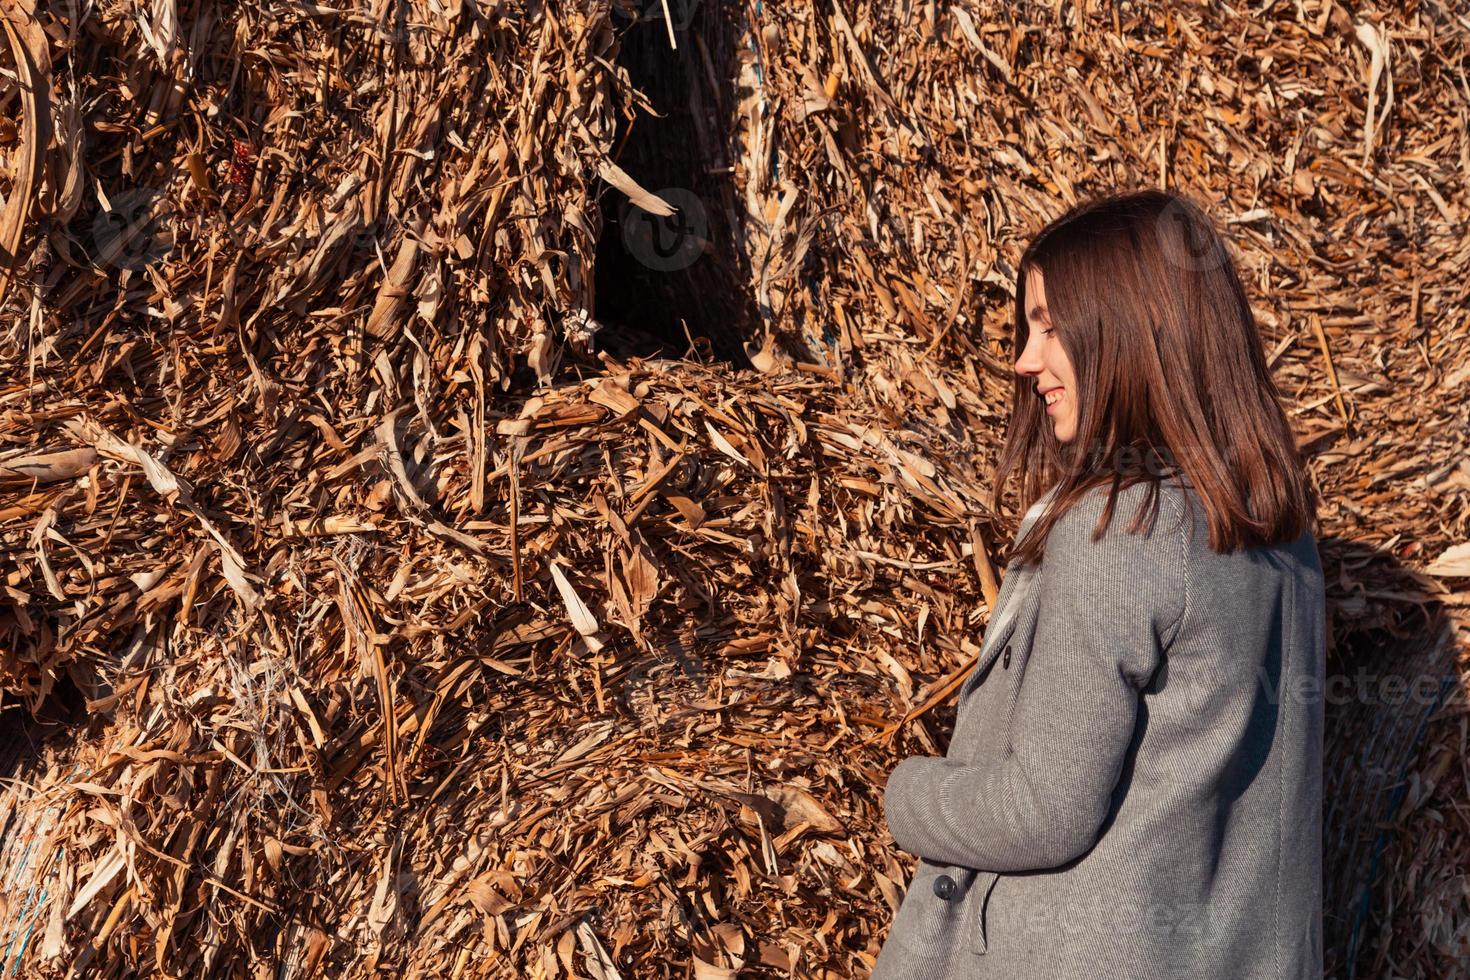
1138,560
1150,510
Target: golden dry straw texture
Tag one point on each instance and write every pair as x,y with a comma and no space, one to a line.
419,621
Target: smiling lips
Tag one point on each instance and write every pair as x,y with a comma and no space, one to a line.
1051,396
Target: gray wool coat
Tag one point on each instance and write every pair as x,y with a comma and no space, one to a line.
1133,788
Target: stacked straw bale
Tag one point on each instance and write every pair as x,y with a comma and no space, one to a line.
409,634
683,575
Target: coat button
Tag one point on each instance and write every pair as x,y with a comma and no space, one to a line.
1005,661
944,887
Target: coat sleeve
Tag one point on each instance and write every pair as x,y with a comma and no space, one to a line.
1107,610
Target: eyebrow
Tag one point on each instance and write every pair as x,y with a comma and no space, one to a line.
1037,312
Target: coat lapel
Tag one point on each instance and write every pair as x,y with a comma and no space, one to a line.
1011,603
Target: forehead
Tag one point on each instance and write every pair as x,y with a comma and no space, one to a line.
1035,295
1035,286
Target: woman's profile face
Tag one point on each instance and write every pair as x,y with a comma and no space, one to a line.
1045,363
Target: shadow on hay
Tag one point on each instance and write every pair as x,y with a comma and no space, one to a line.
1392,681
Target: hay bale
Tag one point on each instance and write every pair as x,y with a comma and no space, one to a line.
683,592
418,637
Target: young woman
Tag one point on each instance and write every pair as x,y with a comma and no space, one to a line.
1133,788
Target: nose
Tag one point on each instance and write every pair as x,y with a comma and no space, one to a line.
1029,363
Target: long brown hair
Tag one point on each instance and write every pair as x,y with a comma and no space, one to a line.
1150,310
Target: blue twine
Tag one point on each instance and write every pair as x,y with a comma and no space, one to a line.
33,904
30,927
25,858
755,49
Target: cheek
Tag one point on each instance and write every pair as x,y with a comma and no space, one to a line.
1062,367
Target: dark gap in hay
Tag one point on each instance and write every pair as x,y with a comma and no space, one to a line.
22,733
659,289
